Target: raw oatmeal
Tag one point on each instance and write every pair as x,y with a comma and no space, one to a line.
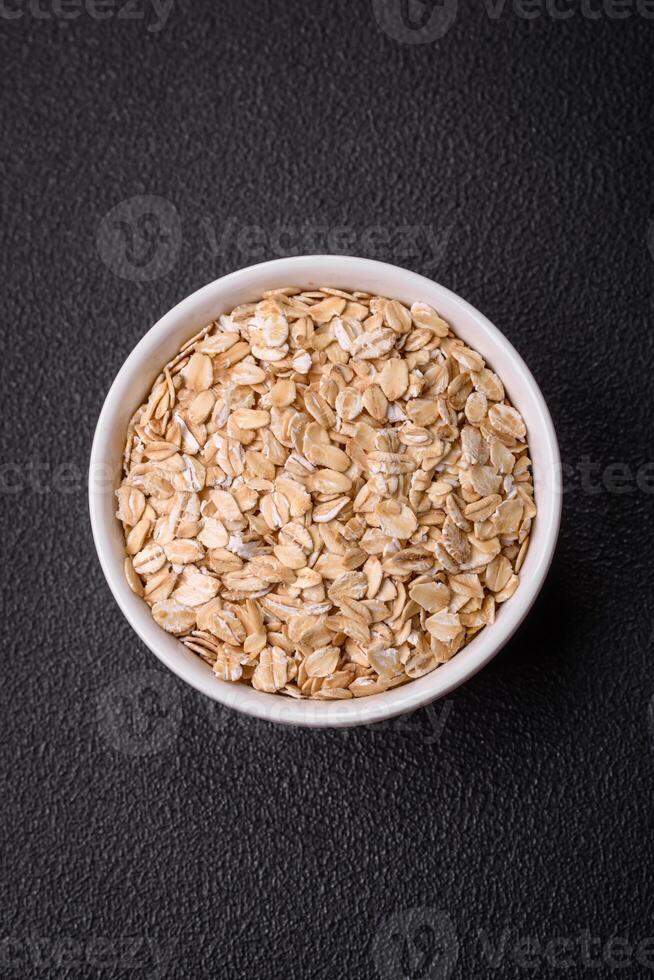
326,494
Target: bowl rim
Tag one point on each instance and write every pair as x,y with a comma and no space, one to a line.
358,711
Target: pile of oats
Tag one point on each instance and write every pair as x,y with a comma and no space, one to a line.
326,494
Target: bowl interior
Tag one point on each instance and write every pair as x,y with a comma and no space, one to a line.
164,340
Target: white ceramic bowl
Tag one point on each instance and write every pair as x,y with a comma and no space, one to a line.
163,341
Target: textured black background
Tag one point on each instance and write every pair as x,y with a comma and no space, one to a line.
147,832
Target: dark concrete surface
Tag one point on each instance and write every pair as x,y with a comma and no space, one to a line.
149,833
